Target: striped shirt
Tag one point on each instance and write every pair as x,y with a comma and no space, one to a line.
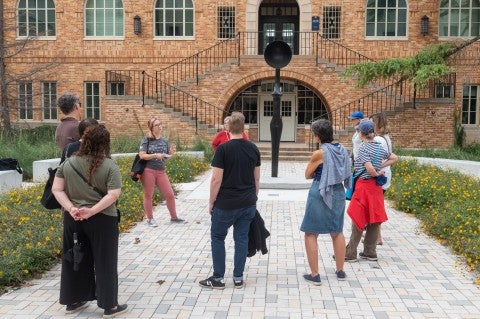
372,152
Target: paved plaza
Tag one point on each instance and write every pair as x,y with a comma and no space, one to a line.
159,269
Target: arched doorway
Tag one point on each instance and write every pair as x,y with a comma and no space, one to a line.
299,106
278,20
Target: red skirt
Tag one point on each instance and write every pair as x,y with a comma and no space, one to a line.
367,205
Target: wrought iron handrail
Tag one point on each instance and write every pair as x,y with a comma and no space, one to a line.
204,61
139,83
385,99
245,43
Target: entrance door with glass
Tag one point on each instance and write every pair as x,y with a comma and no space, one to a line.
288,110
278,22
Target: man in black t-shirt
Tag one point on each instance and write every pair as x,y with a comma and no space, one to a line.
233,199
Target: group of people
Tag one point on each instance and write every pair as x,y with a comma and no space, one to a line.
87,186
330,169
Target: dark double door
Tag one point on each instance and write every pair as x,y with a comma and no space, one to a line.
279,27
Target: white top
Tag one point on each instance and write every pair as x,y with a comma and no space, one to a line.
356,142
387,145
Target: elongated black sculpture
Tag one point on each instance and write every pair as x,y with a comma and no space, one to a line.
277,55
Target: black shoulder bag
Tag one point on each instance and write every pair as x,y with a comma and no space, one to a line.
138,165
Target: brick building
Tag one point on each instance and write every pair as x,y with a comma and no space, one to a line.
192,62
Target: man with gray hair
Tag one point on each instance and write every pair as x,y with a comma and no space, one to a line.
67,130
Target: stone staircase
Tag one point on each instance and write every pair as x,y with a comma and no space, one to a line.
289,152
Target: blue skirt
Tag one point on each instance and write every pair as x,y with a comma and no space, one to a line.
319,219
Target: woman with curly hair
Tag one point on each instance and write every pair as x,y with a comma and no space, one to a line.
87,185
154,148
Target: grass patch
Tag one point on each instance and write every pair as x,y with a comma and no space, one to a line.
468,153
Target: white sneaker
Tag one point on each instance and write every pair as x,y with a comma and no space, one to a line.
152,222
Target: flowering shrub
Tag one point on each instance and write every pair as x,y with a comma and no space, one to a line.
31,236
446,202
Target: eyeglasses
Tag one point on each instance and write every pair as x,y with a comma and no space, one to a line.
157,125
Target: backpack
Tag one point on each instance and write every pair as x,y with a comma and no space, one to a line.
8,164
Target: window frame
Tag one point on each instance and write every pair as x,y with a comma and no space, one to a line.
229,15
162,10
476,107
48,11
334,12
115,86
376,23
114,22
448,17
92,101
25,100
51,108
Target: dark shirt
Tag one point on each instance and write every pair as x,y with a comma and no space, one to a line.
69,150
238,159
67,132
155,146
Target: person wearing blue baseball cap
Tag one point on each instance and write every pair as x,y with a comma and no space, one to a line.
367,208
355,117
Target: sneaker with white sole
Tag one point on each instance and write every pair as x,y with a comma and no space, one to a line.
368,257
315,280
75,307
213,283
238,284
341,275
152,223
110,313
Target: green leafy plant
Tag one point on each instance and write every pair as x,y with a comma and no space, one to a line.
446,203
429,64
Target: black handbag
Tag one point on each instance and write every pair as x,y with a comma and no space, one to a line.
138,166
48,200
7,164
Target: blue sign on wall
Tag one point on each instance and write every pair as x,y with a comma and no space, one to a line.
315,23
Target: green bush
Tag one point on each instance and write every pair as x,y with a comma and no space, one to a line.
446,203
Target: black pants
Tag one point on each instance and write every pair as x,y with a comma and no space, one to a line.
97,277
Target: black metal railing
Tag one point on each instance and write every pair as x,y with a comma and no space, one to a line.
193,67
385,99
140,84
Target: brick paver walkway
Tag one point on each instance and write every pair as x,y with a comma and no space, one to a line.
159,269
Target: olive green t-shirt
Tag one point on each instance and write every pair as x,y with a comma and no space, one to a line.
106,177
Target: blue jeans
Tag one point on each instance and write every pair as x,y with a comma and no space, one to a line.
221,221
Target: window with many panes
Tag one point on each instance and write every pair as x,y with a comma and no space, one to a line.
25,100
310,106
116,88
49,100
444,91
226,22
459,18
386,18
174,18
36,18
247,103
331,22
104,18
470,104
92,100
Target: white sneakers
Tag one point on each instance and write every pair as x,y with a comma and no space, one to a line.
152,222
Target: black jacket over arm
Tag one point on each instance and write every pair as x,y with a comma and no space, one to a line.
257,236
